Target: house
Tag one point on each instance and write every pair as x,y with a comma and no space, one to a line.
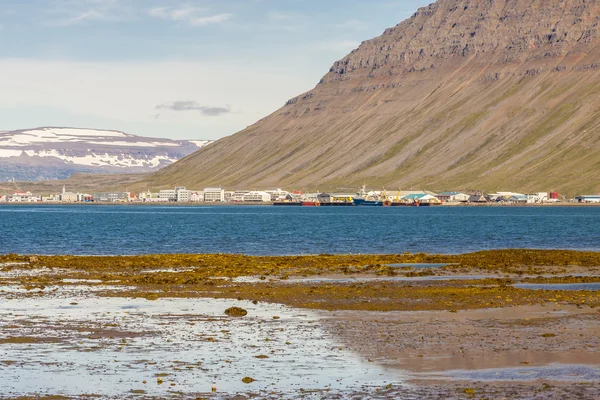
477,198
196,196
588,199
518,198
453,197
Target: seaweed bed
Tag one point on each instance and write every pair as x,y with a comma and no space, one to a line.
213,275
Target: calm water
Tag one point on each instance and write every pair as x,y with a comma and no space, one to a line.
292,230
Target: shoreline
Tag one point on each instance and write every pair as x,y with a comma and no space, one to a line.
272,204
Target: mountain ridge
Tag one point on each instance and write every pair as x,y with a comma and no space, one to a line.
57,152
465,94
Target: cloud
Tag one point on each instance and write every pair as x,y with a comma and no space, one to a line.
89,15
76,12
194,106
191,15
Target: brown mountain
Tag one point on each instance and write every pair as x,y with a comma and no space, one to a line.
466,94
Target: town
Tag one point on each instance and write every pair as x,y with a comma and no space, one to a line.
281,197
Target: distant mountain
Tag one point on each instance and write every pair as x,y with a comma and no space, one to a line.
56,153
465,94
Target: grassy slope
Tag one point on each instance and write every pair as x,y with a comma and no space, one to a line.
517,133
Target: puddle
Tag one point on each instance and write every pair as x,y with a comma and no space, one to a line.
63,290
424,265
109,346
325,279
167,270
555,372
558,286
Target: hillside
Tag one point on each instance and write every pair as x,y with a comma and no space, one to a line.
466,94
54,153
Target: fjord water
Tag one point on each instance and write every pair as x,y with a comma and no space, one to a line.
267,230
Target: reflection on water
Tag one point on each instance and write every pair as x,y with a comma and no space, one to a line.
424,265
557,372
109,346
558,286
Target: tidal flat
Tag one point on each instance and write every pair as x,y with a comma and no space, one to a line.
486,325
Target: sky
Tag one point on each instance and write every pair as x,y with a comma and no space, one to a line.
195,69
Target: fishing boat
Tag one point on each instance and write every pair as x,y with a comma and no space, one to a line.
363,199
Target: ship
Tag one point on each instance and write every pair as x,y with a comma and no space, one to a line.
364,199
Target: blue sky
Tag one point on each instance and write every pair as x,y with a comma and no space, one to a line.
196,69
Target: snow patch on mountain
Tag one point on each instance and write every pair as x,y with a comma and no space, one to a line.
53,152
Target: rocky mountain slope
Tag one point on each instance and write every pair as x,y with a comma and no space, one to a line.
466,94
55,153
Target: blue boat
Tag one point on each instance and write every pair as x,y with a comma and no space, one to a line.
364,202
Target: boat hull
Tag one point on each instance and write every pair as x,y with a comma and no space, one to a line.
368,203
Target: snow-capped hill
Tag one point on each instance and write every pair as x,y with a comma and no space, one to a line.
55,153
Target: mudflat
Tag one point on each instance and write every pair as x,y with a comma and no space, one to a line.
231,326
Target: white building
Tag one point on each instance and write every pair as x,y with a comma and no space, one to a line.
196,196
182,195
277,194
453,197
541,197
24,197
3,198
149,197
213,195
588,199
168,195
257,197
238,196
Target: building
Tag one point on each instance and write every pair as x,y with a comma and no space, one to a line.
214,195
342,197
196,196
453,197
238,196
111,197
533,198
257,197
420,198
182,195
168,195
477,198
24,197
588,199
149,197
278,194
